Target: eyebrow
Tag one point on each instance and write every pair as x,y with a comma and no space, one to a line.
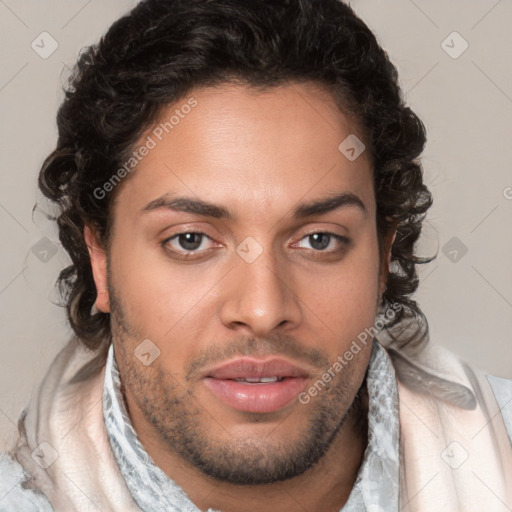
328,204
208,209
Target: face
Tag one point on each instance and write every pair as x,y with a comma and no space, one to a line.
245,250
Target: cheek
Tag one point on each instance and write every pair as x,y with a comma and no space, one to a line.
162,301
345,296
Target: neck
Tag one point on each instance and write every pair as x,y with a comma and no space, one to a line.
323,488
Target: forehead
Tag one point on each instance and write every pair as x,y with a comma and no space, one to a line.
254,151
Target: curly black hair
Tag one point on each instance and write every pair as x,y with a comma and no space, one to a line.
161,50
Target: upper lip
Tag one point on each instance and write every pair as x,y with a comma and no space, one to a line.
247,367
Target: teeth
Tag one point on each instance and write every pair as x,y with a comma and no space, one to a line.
254,380
269,379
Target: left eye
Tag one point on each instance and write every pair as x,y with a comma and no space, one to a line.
321,241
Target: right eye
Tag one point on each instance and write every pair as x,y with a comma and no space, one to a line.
189,241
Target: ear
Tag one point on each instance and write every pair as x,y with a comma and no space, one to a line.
98,258
386,259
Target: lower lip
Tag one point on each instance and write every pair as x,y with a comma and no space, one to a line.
262,398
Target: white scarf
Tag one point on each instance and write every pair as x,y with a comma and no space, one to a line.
441,422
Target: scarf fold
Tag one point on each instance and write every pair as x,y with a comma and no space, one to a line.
73,464
456,452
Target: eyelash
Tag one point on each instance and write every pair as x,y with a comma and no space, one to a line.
184,254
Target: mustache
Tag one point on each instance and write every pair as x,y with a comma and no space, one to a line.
274,345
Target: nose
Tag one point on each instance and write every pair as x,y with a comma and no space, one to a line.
259,297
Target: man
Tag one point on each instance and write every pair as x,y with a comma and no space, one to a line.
239,191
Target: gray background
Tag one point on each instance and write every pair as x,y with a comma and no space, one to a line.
465,103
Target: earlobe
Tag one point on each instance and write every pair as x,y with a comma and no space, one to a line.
98,257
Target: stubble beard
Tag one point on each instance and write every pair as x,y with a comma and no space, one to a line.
182,423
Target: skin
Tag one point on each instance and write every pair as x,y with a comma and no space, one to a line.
259,155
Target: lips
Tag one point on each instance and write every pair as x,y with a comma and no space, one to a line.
257,386
254,368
